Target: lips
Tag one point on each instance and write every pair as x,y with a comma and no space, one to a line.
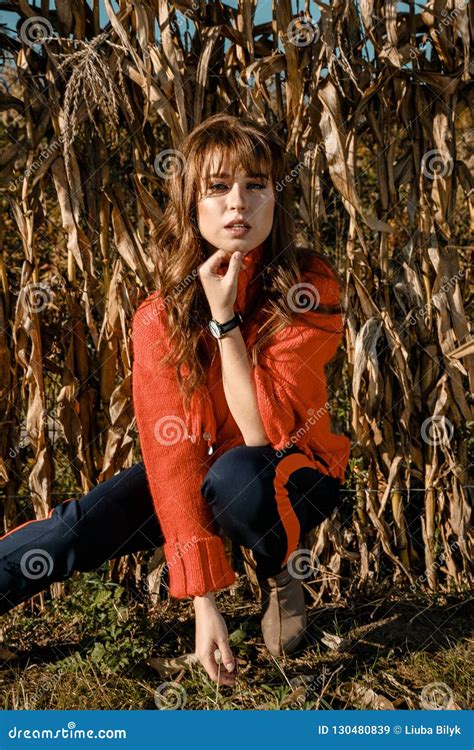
238,223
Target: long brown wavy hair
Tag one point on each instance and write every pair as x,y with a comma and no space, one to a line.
179,249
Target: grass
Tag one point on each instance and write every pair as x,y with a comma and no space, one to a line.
90,650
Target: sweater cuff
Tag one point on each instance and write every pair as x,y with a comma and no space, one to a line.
197,566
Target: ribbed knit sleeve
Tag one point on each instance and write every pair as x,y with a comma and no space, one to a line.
290,380
175,466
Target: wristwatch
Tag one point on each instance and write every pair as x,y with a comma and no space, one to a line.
219,330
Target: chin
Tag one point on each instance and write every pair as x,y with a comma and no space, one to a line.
238,247
241,246
235,246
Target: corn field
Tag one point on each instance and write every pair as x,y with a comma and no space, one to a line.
374,106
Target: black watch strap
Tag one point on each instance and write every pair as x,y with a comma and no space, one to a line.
219,329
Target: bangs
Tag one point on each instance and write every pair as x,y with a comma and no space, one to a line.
253,157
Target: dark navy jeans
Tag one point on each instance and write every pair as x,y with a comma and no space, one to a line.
258,498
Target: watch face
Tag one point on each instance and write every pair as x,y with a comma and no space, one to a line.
214,329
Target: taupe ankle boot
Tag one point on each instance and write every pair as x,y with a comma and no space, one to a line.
283,613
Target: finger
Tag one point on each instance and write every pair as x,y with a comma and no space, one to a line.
223,677
226,656
215,260
235,265
210,666
217,675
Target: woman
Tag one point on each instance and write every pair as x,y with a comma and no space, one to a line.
230,398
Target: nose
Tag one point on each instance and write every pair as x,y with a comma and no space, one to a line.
236,197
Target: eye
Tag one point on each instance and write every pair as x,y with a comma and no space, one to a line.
217,185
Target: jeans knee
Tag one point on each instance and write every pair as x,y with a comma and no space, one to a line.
237,484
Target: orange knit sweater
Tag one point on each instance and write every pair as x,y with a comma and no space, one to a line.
177,445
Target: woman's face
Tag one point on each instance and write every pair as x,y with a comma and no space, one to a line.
236,199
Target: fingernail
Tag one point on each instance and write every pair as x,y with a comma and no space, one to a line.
230,666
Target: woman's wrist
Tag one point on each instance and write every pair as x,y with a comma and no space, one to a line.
223,314
206,600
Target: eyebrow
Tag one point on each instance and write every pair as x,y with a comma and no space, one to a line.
224,174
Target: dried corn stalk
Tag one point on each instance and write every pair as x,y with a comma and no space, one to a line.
374,107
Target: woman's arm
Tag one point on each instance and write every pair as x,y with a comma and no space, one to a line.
175,467
239,388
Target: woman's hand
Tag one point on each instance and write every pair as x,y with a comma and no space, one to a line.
211,634
221,291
